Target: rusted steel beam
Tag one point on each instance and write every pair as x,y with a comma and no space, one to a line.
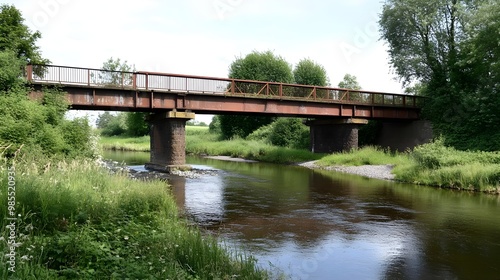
125,100
167,82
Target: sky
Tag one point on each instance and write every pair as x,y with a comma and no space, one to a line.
203,37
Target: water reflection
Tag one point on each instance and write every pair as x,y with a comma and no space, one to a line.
324,225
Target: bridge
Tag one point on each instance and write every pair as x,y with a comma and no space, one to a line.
173,99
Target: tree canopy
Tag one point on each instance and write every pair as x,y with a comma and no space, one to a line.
15,36
308,72
259,66
349,82
450,48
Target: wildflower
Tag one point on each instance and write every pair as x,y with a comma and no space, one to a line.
125,237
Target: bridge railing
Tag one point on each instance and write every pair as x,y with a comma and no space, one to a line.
152,81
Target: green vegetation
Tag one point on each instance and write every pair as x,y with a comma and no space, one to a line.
69,217
437,165
451,49
125,143
76,221
364,156
431,164
200,141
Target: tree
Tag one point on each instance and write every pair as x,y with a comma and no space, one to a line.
308,72
259,66
349,82
136,124
15,36
104,119
450,47
117,72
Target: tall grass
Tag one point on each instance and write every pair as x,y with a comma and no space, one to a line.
76,221
364,156
208,144
438,165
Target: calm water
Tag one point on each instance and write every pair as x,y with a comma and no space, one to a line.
323,225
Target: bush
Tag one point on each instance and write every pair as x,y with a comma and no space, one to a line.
116,126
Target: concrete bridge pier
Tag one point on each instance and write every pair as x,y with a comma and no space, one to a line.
334,135
168,141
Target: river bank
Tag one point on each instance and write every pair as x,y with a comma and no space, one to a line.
77,219
431,164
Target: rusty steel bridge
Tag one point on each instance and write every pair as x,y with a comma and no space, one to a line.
97,89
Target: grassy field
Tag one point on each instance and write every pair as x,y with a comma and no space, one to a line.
76,221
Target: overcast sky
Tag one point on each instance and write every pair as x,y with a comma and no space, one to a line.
203,37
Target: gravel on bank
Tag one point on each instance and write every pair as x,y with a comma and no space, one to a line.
371,171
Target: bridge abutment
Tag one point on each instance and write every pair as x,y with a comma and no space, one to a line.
168,141
403,135
328,136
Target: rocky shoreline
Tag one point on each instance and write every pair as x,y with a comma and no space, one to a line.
383,172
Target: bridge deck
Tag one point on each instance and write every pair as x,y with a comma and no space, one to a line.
95,89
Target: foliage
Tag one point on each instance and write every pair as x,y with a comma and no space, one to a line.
214,126
241,126
40,125
439,165
116,125
450,47
261,66
308,72
10,71
258,66
349,82
16,37
136,124
117,73
283,132
104,119
77,221
365,156
125,143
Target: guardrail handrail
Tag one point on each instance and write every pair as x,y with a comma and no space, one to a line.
155,81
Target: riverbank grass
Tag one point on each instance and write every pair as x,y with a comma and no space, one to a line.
437,165
364,156
200,141
77,221
431,164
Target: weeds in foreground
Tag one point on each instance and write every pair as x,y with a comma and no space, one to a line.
76,221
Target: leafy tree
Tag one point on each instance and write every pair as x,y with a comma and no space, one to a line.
308,72
117,125
136,124
37,125
118,72
451,48
10,71
214,126
349,82
289,132
260,66
15,36
104,119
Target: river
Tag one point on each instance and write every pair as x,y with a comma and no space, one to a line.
326,225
